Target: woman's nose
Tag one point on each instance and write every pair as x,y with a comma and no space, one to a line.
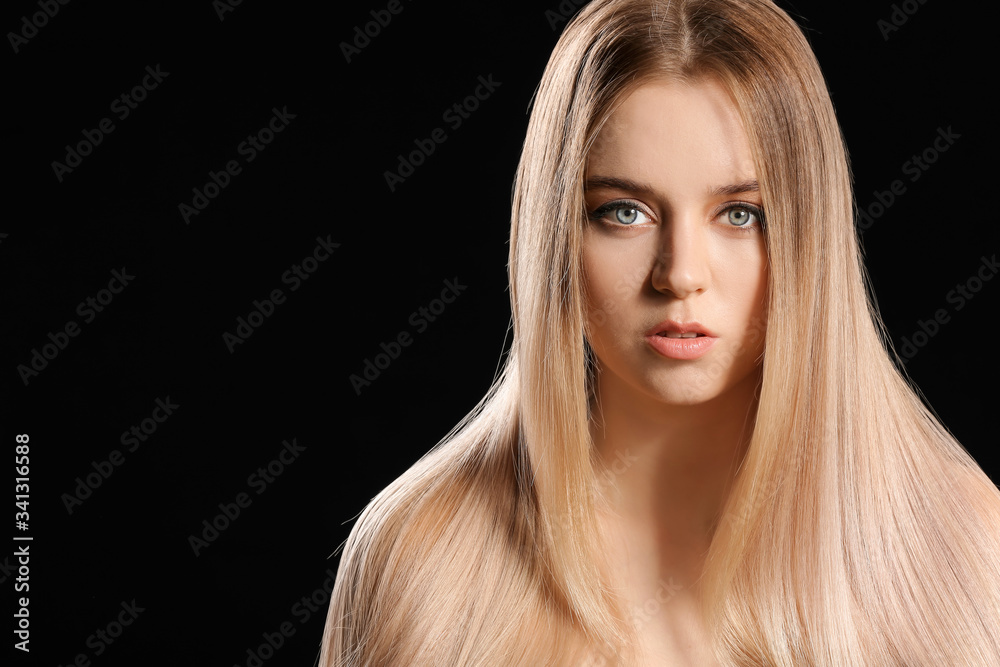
681,263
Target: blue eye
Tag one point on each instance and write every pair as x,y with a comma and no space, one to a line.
626,216
739,216
743,216
624,213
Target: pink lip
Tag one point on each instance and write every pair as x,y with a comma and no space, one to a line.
672,326
680,348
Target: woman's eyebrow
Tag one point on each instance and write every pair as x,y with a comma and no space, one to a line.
616,184
737,188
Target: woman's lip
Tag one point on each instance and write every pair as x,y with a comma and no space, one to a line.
673,326
681,348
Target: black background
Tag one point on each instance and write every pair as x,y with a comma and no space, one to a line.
324,176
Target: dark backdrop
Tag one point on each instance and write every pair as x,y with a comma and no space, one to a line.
112,516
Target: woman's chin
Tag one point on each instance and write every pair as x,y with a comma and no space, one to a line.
694,388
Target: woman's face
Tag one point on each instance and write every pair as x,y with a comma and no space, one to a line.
674,245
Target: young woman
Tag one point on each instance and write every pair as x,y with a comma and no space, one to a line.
700,450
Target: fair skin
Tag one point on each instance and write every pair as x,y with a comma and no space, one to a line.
674,234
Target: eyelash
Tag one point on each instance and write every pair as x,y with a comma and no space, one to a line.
754,210
599,213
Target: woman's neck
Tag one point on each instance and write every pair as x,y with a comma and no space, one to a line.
669,469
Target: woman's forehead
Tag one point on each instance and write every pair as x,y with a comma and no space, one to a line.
679,132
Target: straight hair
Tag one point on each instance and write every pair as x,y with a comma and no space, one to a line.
858,530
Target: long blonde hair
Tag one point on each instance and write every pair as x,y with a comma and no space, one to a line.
858,530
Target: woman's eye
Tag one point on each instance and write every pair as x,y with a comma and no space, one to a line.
743,216
620,213
627,216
